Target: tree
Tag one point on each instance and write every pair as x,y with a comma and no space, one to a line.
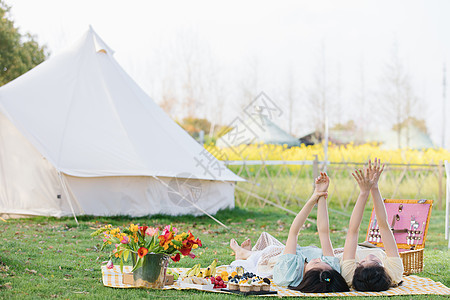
248,84
420,124
193,125
318,95
348,126
400,102
290,97
360,113
169,99
18,54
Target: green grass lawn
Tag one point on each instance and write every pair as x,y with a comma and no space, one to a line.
54,258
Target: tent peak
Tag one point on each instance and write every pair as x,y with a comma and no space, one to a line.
100,45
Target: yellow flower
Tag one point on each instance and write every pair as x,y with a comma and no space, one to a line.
134,228
178,237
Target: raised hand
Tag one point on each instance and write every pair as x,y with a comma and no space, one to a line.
321,186
375,171
322,182
362,178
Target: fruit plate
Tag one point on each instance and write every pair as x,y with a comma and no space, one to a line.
205,287
220,269
250,293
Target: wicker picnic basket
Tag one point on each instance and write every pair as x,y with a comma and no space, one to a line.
409,220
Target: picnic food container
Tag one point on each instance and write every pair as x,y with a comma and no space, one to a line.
409,221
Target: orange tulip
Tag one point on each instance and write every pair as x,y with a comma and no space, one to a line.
142,252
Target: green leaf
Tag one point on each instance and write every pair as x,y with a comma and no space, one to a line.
18,52
121,265
126,253
177,243
139,263
103,246
150,243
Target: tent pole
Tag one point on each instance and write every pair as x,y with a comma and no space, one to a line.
68,196
193,204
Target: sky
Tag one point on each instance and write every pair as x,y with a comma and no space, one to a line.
263,46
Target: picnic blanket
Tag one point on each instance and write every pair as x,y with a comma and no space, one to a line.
412,285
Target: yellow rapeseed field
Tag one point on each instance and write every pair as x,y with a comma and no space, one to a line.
285,183
347,153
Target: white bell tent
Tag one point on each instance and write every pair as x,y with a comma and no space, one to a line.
79,136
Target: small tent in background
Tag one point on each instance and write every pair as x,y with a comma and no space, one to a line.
411,137
260,130
78,135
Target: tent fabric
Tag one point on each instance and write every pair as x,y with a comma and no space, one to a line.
79,120
258,130
28,182
143,195
411,137
98,122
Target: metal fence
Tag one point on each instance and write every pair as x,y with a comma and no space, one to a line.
289,183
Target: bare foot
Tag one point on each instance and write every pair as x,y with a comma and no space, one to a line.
247,244
241,253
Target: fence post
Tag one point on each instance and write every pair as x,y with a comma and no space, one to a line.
441,190
447,201
315,167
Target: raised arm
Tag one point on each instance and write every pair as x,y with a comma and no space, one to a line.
297,224
365,182
323,226
390,245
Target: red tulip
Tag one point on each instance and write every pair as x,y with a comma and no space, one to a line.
142,229
142,252
176,258
185,251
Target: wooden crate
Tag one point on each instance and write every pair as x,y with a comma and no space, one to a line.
409,220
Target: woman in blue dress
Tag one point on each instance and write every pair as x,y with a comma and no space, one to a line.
307,269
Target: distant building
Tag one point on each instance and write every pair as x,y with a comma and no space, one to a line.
413,138
310,138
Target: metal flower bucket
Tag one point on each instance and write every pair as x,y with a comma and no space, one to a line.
152,274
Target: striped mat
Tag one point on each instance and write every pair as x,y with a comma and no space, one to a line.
412,285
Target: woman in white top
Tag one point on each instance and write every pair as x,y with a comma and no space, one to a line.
370,269
308,269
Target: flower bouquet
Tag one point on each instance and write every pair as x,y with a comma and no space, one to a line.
149,248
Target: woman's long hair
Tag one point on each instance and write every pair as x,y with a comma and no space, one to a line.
322,281
371,279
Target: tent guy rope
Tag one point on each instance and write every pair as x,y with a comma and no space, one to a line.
193,204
